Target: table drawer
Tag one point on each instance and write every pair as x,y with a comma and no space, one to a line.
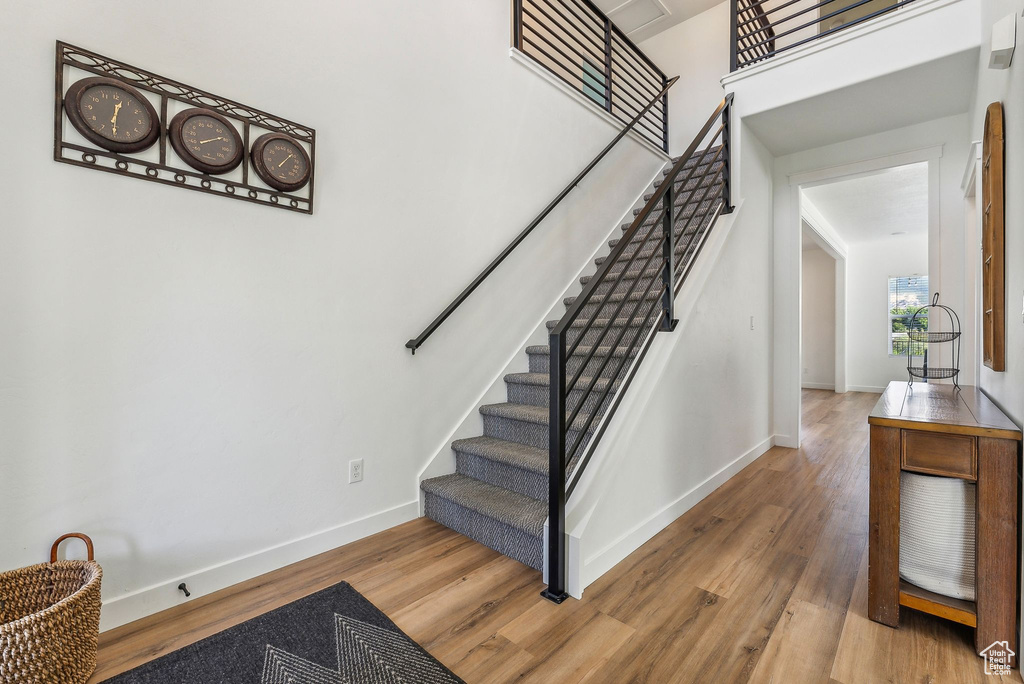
940,454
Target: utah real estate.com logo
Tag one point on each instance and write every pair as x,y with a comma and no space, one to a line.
997,658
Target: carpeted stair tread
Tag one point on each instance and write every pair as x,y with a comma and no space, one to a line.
538,415
582,350
544,380
599,323
498,493
614,298
515,510
502,451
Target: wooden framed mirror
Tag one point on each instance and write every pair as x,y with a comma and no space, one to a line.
993,289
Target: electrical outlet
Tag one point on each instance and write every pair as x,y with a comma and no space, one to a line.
355,471
751,322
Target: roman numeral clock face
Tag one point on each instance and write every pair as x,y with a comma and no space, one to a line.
111,114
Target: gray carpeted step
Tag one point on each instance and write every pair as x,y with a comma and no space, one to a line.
498,493
534,389
526,424
607,304
509,523
699,157
540,357
516,467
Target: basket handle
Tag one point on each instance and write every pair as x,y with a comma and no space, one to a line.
77,535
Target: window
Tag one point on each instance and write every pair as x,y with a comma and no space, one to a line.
907,296
593,83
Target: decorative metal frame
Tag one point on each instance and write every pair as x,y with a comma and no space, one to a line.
162,171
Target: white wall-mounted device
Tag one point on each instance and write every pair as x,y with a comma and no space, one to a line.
1004,39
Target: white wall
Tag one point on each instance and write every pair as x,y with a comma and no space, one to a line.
1007,86
184,377
1006,389
818,322
697,51
869,266
700,406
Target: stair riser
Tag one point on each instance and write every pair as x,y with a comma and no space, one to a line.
605,310
521,431
591,336
540,395
683,190
714,172
540,363
492,533
519,480
682,241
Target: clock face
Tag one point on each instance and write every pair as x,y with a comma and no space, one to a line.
206,141
111,114
281,162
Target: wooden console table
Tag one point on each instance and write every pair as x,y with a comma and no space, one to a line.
939,430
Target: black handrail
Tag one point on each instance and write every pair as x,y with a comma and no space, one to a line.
756,37
709,169
417,341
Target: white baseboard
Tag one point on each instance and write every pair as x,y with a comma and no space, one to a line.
605,559
819,385
865,388
138,604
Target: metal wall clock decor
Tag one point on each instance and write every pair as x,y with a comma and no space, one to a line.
281,162
206,141
132,122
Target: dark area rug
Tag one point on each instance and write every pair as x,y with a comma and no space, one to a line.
334,636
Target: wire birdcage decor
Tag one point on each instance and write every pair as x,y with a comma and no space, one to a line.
919,337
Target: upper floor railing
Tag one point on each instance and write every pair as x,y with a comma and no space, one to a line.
762,29
576,42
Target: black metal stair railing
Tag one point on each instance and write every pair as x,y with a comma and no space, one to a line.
578,43
416,342
659,248
762,29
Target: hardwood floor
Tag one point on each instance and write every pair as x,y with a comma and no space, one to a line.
763,581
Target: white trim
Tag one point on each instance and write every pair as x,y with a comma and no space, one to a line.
826,236
865,167
604,560
530,63
971,171
137,604
819,385
865,388
838,38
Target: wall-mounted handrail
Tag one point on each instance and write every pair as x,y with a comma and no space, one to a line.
418,341
701,177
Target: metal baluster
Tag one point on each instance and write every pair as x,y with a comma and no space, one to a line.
734,32
608,64
556,473
668,323
727,156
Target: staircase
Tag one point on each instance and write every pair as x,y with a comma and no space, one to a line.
498,494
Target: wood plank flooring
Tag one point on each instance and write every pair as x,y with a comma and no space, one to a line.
763,581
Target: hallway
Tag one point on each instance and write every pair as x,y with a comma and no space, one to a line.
763,581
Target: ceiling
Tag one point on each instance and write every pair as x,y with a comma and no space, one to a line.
641,19
873,207
938,88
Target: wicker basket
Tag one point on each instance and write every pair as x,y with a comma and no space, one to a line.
50,620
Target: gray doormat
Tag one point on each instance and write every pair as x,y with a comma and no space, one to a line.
334,636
